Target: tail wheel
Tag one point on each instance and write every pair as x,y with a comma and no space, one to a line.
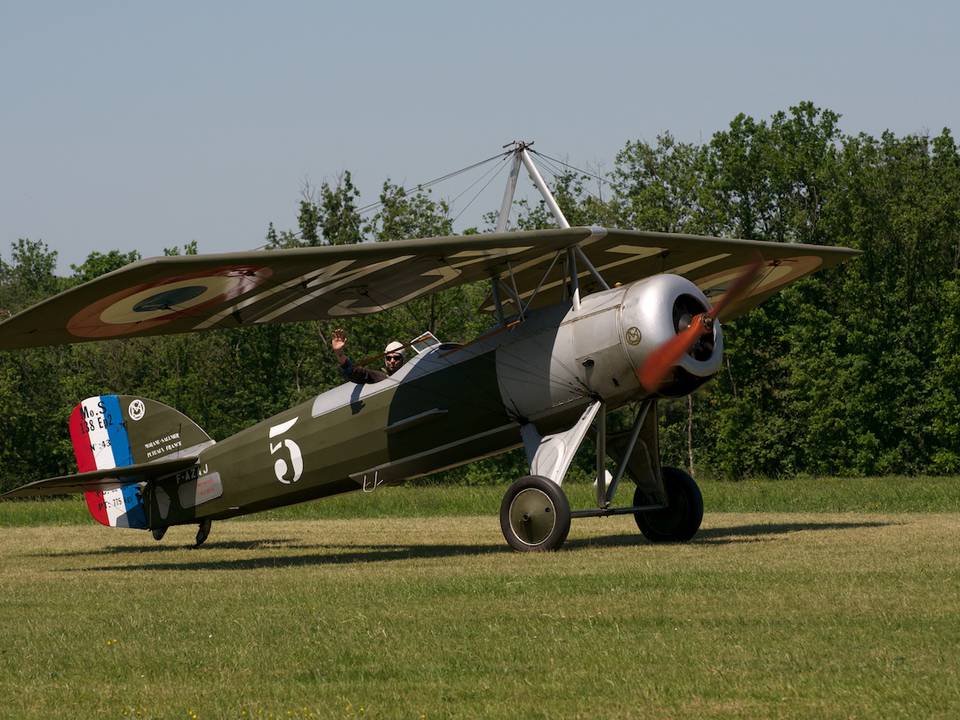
680,520
535,515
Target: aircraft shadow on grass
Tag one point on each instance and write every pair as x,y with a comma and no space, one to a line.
260,544
754,532
331,554
339,554
727,535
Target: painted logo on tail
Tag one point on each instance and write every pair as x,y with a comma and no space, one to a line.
99,434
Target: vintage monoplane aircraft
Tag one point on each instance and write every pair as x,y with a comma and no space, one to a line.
584,320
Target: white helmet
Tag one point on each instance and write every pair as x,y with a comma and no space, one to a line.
393,347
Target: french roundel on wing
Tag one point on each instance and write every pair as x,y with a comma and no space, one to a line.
774,274
150,304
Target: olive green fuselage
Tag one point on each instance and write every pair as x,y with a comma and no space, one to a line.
447,406
442,410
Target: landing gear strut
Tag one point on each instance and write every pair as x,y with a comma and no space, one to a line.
203,532
667,504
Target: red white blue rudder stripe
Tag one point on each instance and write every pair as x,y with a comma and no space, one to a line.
98,430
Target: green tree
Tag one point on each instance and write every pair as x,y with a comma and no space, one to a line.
403,215
29,276
338,215
658,187
97,264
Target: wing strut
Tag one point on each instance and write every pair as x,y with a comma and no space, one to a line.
586,261
574,276
497,303
504,217
571,288
541,185
520,154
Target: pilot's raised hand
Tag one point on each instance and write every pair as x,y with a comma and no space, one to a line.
337,342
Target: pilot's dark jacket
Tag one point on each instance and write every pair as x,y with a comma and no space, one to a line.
354,373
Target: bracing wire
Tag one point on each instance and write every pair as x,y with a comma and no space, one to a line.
555,172
572,167
480,191
495,169
552,165
421,186
430,183
556,167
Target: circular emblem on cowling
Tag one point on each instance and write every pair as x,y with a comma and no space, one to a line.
633,336
136,410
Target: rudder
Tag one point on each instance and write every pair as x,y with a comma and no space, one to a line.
111,431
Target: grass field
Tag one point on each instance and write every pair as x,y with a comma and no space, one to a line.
876,494
765,614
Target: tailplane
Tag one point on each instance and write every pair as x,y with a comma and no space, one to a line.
111,431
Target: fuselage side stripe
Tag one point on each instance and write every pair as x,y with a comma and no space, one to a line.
83,452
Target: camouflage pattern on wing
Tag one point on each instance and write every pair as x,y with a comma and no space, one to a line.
161,296
624,256
166,295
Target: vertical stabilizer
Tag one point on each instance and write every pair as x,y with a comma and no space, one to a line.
110,431
99,434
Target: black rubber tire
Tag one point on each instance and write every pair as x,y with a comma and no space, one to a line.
535,515
680,520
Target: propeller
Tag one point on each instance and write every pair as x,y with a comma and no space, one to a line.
661,361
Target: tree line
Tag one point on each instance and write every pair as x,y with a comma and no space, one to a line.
855,370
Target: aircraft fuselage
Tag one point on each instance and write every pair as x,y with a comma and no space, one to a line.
447,406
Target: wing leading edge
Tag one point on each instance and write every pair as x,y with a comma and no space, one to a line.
168,295
624,256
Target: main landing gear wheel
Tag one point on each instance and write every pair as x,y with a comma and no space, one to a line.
680,520
535,515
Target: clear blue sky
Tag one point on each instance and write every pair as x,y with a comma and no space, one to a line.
136,125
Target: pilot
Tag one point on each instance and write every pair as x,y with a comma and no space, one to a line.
392,357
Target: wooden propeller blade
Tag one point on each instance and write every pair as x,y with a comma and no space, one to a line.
661,361
739,287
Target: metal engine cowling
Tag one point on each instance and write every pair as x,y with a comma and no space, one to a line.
560,356
653,311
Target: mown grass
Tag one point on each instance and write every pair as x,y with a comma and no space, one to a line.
787,615
876,494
